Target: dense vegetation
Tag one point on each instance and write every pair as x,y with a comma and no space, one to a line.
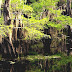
27,23
36,35
34,16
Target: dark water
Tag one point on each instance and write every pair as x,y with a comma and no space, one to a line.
62,64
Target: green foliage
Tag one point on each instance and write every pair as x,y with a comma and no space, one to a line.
41,5
38,45
4,29
16,5
60,22
27,9
37,7
64,60
38,57
32,53
34,25
32,1
1,20
57,61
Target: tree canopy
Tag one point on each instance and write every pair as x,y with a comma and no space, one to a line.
34,23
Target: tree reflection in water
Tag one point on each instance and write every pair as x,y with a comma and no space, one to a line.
48,65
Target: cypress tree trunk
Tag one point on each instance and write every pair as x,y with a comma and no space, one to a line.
7,21
0,38
69,7
6,10
0,7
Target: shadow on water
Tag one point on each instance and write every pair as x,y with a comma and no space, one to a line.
42,64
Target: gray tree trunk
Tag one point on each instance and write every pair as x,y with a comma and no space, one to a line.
6,10
0,7
69,7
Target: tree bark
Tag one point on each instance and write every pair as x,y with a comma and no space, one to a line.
0,7
69,7
6,11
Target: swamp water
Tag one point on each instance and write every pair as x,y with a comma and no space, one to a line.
37,63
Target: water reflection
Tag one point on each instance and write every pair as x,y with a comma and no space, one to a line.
48,65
